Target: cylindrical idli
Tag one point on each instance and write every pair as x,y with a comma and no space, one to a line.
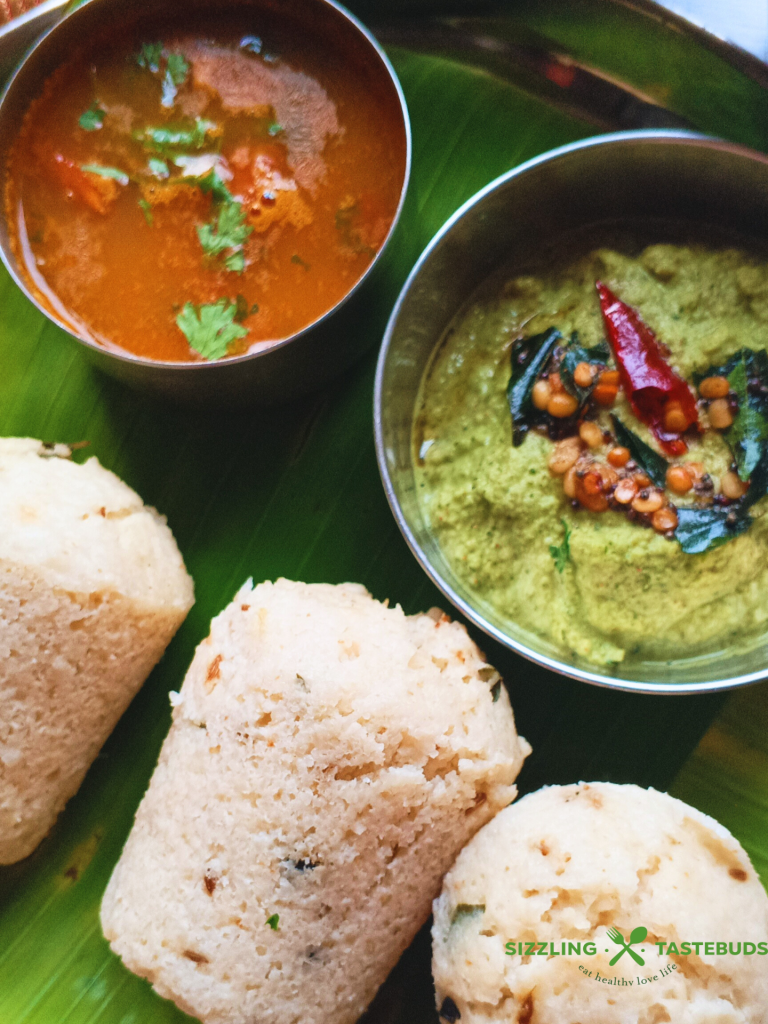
328,758
563,868
92,588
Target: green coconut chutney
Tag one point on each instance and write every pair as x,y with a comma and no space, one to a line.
596,585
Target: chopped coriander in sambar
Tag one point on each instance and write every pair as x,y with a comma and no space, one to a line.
179,169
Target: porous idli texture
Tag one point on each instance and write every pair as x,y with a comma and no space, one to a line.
568,863
92,588
329,756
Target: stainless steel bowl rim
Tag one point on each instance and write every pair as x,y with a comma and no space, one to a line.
197,365
553,664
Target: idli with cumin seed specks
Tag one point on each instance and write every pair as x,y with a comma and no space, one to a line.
328,758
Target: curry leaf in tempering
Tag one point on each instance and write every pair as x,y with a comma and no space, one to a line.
149,56
210,329
747,435
700,529
574,355
561,553
723,370
651,462
529,357
107,172
92,118
758,482
747,375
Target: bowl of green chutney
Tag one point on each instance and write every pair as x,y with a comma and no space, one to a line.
680,221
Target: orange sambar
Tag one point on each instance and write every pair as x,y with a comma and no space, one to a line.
196,195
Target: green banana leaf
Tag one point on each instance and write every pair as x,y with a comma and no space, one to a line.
727,775
295,492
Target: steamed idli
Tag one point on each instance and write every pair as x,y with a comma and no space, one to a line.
92,588
329,756
601,867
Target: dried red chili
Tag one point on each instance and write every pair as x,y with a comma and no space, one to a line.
654,390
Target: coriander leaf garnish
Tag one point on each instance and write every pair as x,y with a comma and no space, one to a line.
576,354
228,231
302,263
274,129
149,56
210,329
178,68
92,119
235,261
146,209
106,172
273,921
159,168
166,139
176,71
655,465
561,553
211,182
529,357
251,43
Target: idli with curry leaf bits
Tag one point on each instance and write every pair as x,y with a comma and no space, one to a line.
601,904
328,758
92,588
